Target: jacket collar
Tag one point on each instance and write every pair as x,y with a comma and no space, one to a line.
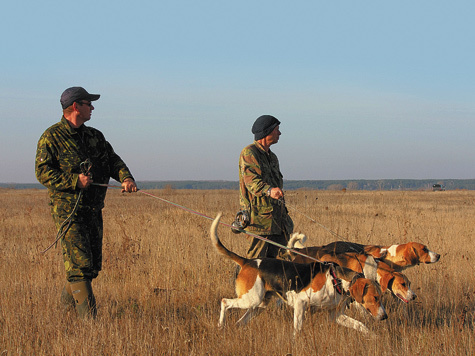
261,148
71,129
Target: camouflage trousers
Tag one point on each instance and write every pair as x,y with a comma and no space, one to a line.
82,245
262,249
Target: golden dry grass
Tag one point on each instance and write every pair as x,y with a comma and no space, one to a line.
161,284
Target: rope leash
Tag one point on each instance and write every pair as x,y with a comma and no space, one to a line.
210,218
66,224
242,230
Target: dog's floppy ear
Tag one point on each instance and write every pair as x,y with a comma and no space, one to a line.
358,289
384,281
413,256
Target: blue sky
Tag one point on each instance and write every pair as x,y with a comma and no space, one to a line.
364,89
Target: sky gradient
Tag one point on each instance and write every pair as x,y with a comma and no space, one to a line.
364,90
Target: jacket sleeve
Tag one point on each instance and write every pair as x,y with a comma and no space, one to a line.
47,168
250,171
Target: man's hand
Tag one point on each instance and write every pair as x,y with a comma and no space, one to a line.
129,186
84,181
276,193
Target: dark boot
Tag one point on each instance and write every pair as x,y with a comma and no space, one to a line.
84,298
67,299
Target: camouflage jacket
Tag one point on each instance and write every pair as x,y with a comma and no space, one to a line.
259,171
59,154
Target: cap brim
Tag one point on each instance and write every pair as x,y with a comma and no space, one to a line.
94,97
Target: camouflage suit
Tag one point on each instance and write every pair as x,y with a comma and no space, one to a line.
259,171
60,152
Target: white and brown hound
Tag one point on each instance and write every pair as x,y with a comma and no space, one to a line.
324,285
395,282
398,257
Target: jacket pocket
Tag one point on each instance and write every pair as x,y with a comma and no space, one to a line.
70,163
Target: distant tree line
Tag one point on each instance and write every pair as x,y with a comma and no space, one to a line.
352,184
380,184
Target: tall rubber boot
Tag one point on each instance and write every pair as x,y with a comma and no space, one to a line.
84,298
67,299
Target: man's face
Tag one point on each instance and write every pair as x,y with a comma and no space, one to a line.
85,109
273,137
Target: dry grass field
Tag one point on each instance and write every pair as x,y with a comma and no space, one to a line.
162,281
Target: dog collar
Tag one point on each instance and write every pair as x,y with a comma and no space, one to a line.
336,281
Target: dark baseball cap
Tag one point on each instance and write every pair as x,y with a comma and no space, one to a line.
74,94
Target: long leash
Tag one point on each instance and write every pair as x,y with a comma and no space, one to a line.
66,224
225,224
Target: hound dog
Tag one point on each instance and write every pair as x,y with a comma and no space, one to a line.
323,285
398,257
395,282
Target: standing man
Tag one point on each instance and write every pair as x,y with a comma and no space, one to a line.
71,160
260,187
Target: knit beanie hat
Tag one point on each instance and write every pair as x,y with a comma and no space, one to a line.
263,126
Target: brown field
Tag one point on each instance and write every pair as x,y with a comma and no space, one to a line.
162,281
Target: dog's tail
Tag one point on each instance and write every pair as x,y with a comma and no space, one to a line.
220,247
297,240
